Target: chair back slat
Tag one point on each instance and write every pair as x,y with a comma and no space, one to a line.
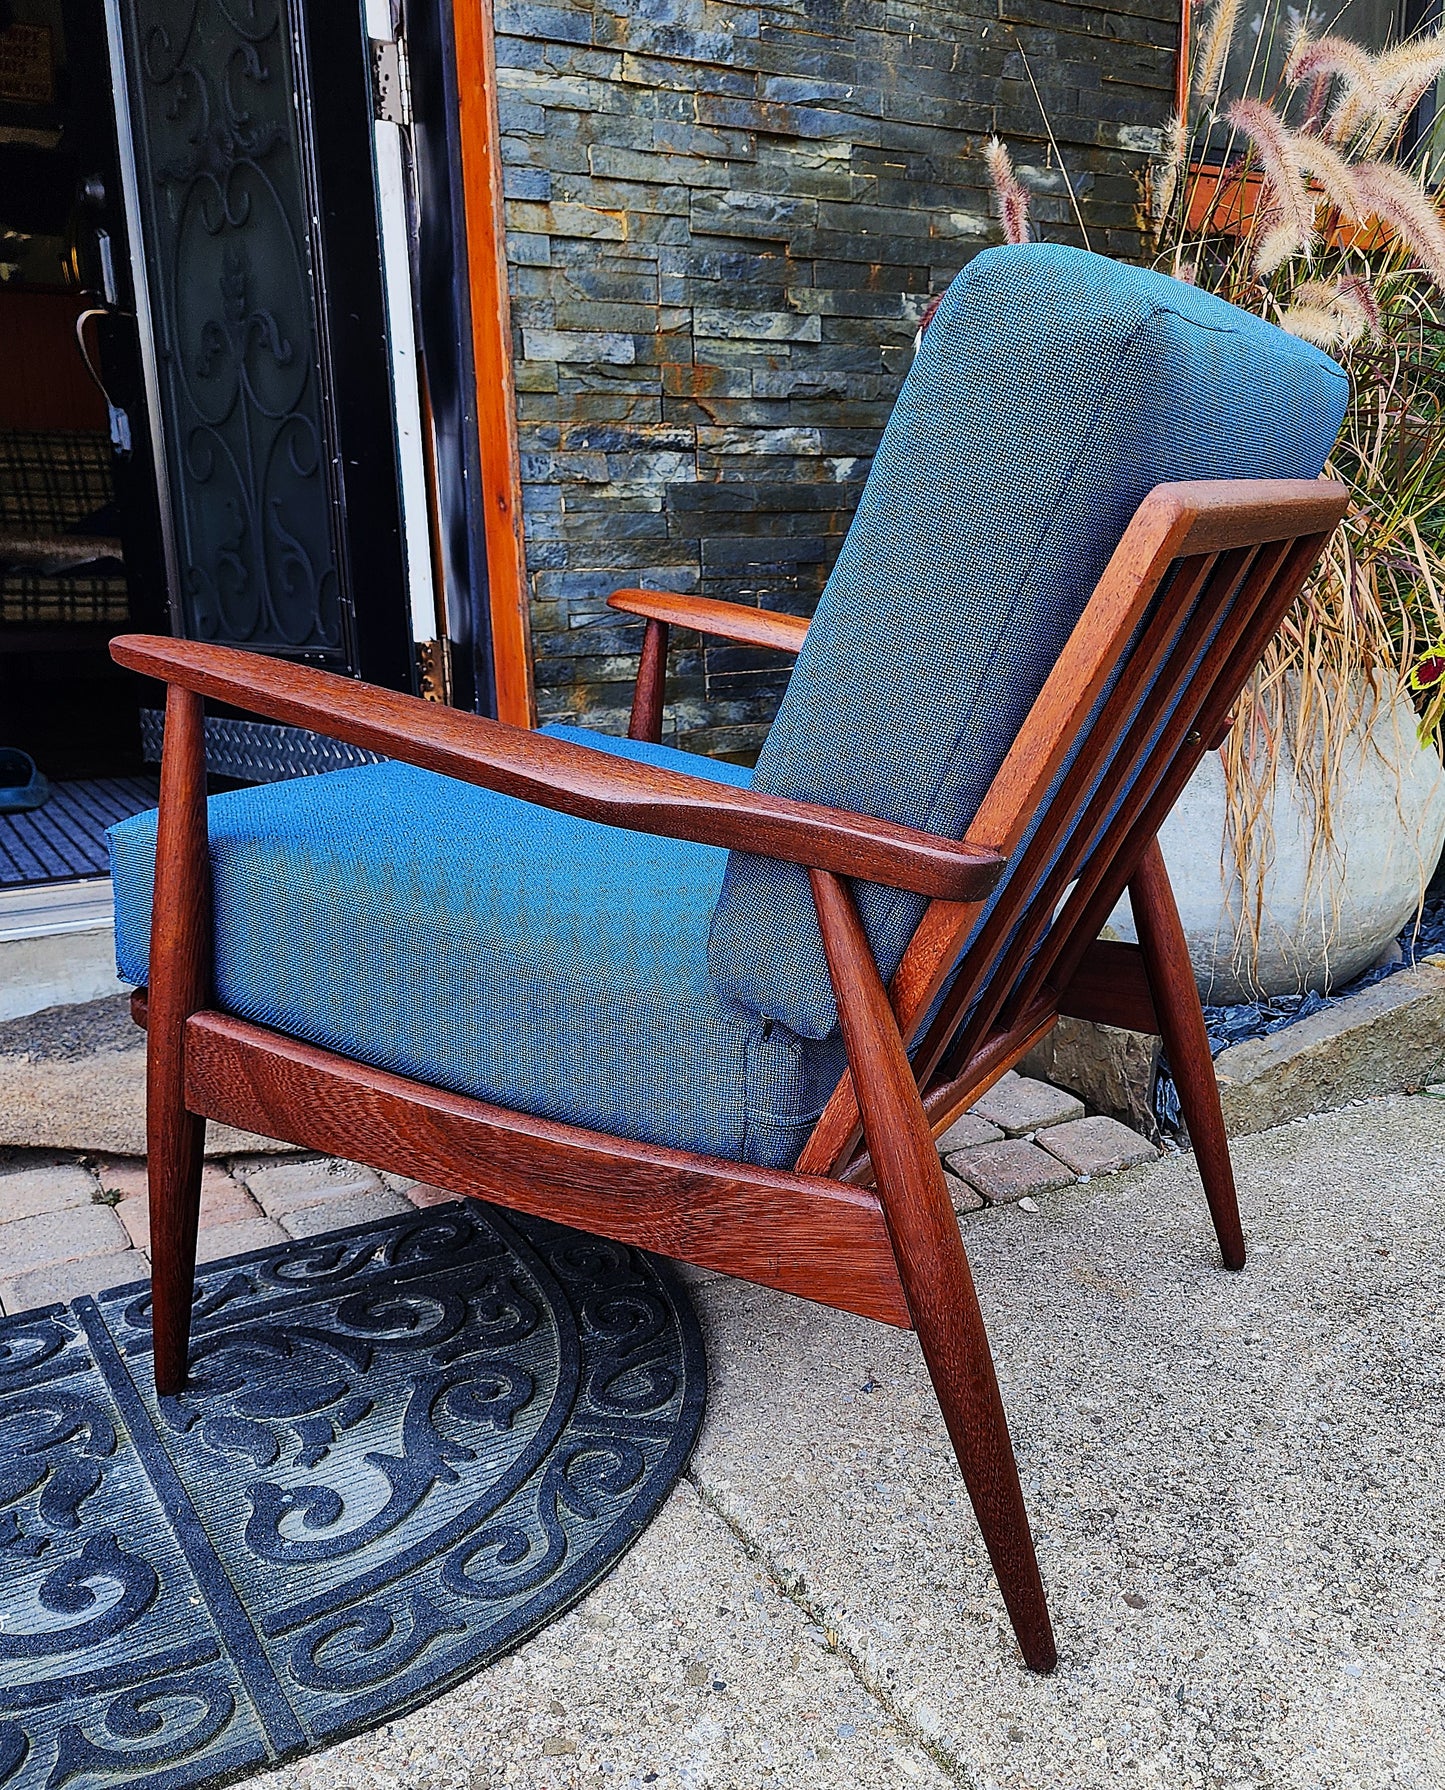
1109,763
1093,899
1158,728
1197,588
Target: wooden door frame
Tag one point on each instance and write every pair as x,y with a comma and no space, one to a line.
1181,61
508,608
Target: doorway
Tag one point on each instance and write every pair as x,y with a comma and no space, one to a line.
78,522
237,397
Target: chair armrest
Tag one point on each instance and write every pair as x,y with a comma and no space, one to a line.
559,774
729,621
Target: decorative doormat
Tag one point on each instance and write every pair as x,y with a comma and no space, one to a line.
404,1448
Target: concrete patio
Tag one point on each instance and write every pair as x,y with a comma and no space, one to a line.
1236,1484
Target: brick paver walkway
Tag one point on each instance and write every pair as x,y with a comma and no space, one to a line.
72,1225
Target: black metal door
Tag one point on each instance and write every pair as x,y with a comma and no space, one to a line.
246,127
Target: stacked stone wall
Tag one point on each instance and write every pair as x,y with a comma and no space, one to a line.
724,221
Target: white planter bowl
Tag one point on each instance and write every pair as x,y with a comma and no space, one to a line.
1324,922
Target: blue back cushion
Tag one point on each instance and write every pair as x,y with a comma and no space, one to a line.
1053,390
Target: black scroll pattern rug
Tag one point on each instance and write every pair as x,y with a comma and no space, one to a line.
404,1448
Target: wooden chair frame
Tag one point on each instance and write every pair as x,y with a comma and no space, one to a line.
1199,583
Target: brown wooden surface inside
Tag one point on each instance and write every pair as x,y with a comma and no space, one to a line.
559,774
43,381
507,595
804,1235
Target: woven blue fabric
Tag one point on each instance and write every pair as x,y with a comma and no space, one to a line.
493,948
1053,390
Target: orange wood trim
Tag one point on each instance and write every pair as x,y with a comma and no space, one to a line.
805,1235
1181,61
1228,201
492,352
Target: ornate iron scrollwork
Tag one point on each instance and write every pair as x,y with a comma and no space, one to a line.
233,262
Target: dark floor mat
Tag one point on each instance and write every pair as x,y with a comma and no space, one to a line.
404,1448
66,838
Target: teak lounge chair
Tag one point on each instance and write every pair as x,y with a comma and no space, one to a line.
524,965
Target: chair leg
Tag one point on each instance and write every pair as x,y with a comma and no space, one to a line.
940,1292
175,1142
1186,1044
934,1268
179,982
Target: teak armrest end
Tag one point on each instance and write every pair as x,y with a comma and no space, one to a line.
558,774
729,621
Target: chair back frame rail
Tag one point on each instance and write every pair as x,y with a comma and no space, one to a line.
1199,582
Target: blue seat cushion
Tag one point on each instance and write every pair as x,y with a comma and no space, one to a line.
493,948
1053,390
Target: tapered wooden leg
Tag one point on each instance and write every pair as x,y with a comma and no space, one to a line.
179,986
651,686
1186,1043
933,1267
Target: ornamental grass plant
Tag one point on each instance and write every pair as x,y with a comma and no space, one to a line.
1310,197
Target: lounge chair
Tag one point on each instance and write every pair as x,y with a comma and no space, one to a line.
722,1015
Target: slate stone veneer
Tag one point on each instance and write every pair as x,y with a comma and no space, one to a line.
724,221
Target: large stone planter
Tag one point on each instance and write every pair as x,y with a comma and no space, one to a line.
1324,921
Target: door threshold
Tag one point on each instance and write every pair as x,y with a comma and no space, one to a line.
57,945
44,910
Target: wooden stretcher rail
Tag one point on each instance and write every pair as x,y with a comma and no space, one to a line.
802,1234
